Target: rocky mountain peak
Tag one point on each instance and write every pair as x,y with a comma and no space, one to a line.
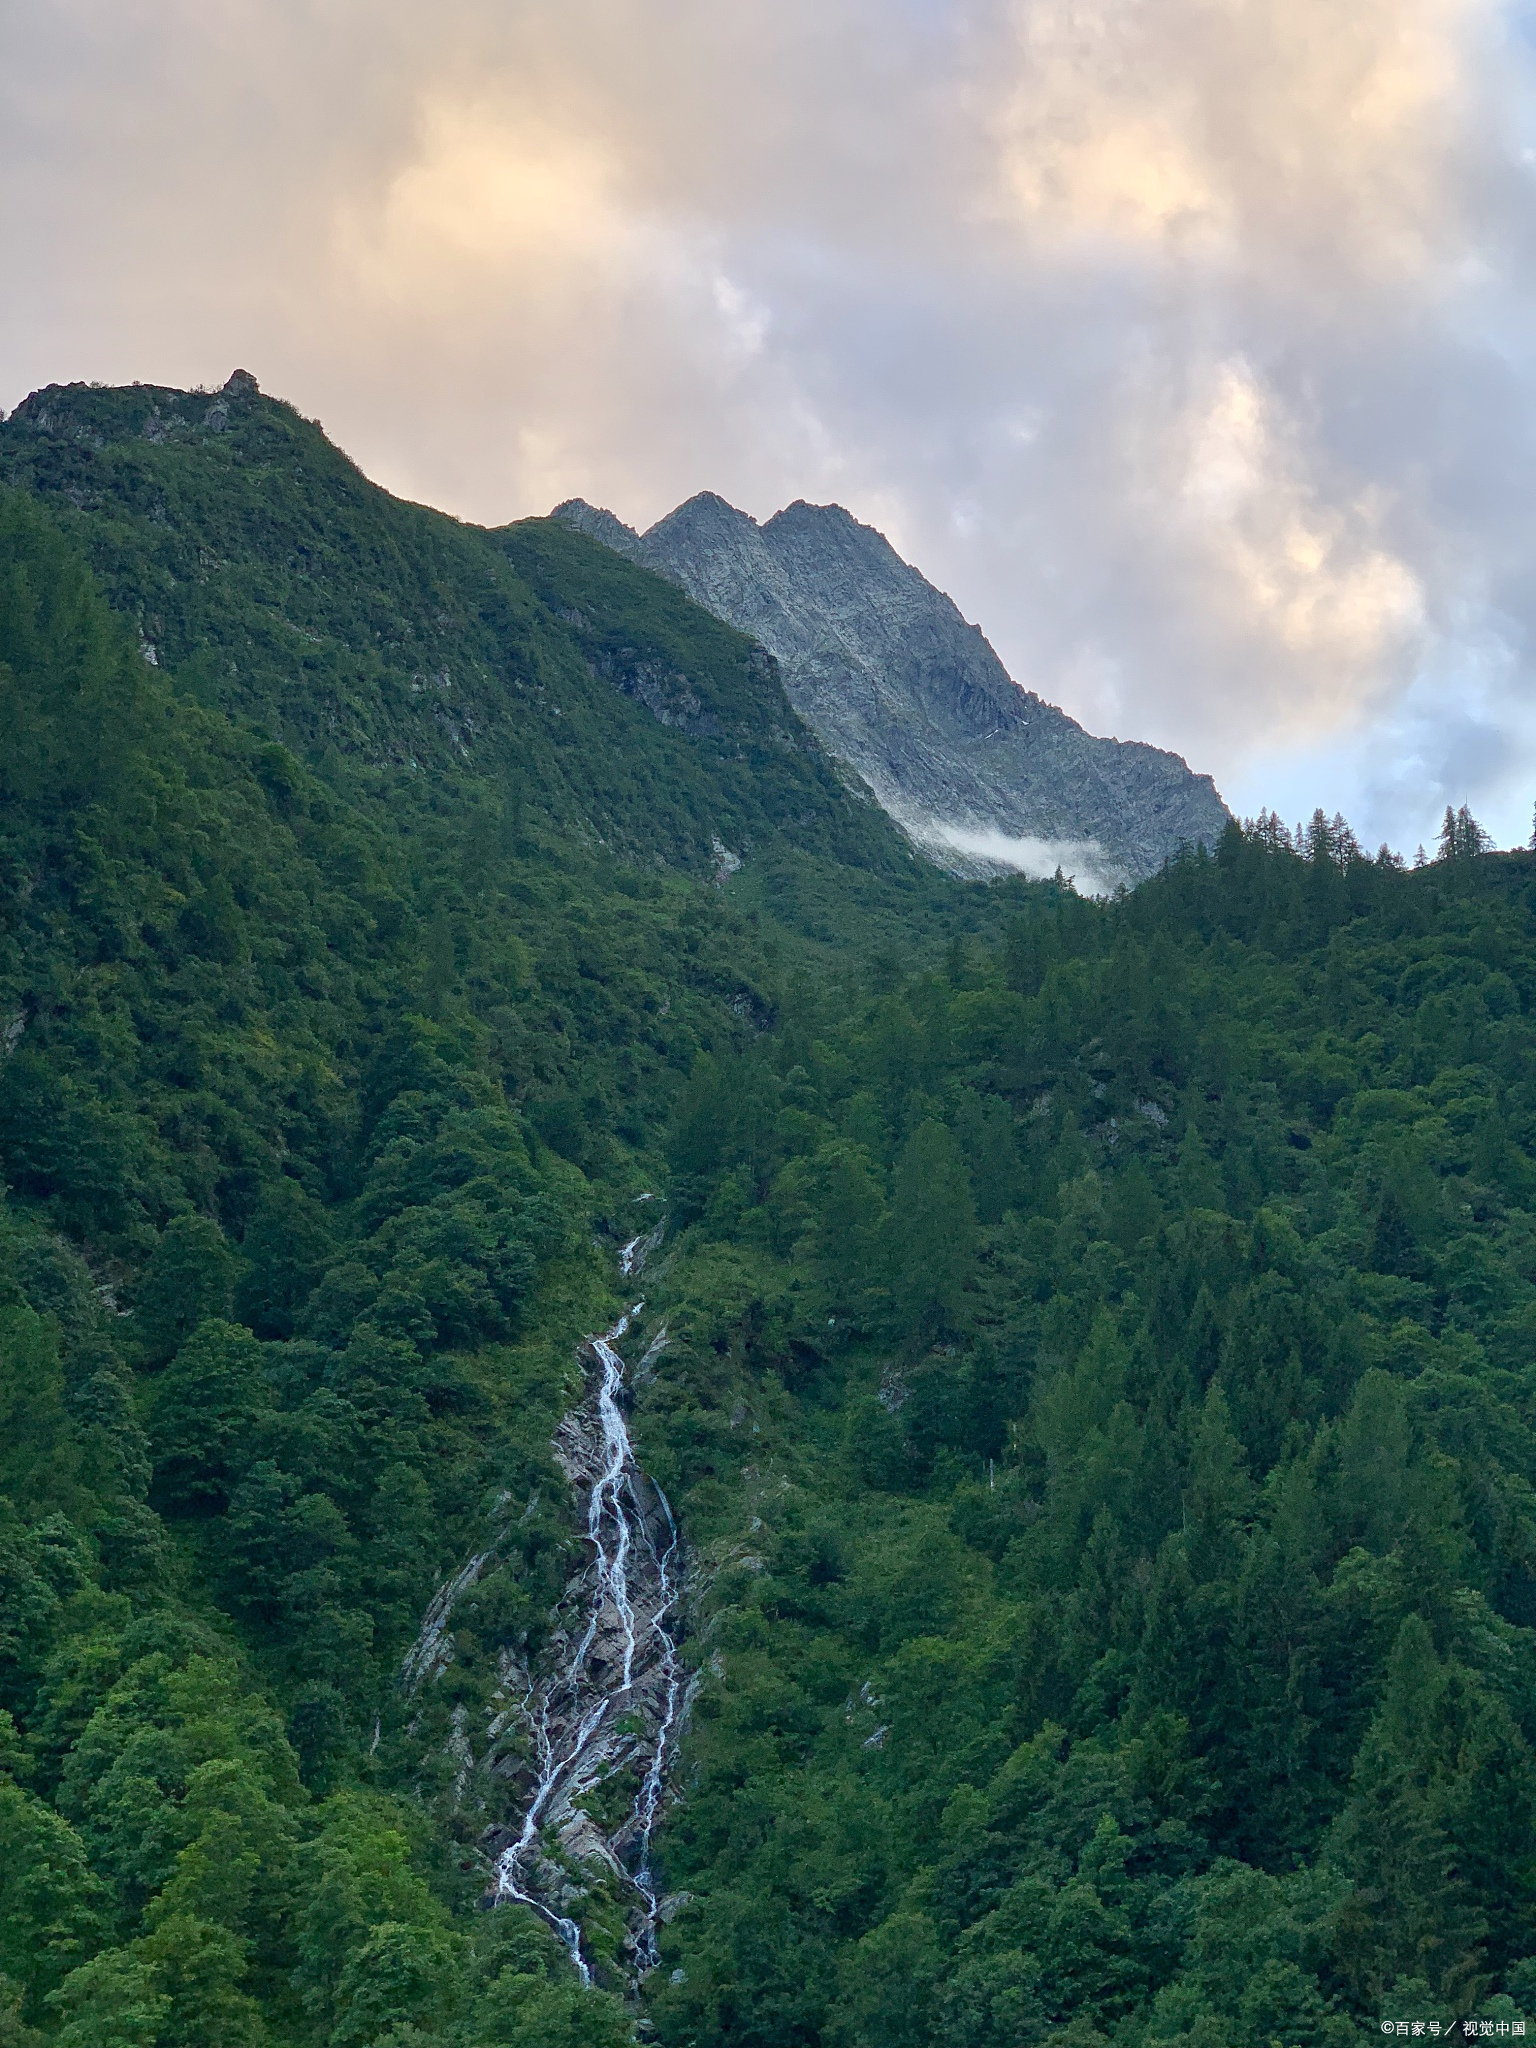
703,517
910,696
599,524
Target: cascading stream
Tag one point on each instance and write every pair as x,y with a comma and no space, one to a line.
615,1697
649,1800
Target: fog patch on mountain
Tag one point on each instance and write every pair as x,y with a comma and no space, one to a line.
1081,861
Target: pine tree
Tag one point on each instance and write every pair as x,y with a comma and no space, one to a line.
190,1276
932,1230
1462,837
1394,1248
1199,1180
1413,1915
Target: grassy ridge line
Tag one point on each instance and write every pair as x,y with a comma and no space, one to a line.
577,702
260,565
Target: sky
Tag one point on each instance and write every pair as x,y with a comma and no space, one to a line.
1187,343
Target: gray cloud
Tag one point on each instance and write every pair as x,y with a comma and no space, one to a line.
1185,342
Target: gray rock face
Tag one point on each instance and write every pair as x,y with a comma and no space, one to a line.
895,683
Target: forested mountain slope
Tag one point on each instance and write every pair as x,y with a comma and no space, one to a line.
1097,1381
1134,1639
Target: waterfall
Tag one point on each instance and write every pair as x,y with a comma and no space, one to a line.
614,1695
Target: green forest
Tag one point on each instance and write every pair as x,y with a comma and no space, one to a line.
1094,1344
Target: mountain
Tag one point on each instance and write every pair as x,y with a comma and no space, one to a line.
876,1461
241,543
902,690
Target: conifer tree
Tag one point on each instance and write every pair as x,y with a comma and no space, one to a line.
932,1231
1462,838
1413,1916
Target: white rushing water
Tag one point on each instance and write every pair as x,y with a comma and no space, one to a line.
613,1698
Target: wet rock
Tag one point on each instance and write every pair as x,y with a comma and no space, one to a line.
609,1698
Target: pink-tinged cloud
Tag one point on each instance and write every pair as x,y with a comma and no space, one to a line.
1186,342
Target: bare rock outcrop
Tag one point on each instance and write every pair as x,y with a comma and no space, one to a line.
901,689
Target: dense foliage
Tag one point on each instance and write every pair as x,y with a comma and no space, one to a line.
1097,1381
1123,1620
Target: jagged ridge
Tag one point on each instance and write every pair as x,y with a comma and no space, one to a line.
903,690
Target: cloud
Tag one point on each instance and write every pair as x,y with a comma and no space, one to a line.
1186,342
1082,861
487,187
1278,563
1237,130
